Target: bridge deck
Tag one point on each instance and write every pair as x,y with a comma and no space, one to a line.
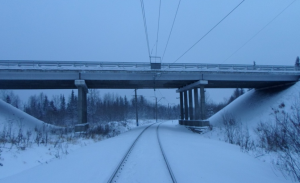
118,75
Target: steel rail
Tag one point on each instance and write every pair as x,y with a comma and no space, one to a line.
13,64
125,157
165,157
113,176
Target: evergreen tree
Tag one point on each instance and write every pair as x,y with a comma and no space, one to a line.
236,93
72,108
8,100
126,107
297,63
62,103
45,105
242,91
52,107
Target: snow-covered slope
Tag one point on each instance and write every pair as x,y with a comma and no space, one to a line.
256,105
9,115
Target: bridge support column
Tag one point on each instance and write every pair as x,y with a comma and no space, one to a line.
181,106
186,108
196,101
82,106
202,103
191,108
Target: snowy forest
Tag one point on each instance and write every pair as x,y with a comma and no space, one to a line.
61,110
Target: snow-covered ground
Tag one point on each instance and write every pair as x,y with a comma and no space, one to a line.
193,157
14,160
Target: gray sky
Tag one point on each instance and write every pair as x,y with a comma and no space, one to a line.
98,30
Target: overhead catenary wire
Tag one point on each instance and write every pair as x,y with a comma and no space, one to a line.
145,26
260,31
153,48
209,31
163,96
158,27
171,31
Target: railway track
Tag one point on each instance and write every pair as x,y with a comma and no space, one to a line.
121,165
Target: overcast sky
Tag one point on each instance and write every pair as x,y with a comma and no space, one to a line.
113,30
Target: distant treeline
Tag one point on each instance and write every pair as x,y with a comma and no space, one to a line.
62,111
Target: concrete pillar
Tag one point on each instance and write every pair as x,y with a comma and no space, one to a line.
202,103
181,106
156,109
196,101
186,108
82,106
191,108
136,109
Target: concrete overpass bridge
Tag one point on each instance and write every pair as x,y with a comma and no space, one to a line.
187,78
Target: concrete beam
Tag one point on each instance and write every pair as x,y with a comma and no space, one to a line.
193,85
81,84
200,123
121,79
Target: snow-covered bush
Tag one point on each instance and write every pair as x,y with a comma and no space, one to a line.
110,129
8,135
236,134
0,157
231,128
282,135
246,143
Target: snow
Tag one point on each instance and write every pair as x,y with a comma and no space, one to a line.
15,160
93,163
9,115
199,159
256,105
146,156
193,157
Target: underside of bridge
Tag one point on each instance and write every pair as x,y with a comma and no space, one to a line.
125,84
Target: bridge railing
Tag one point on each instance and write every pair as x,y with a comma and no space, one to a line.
28,64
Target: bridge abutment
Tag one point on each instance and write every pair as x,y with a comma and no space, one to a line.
82,106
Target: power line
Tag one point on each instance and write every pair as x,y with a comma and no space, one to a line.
145,25
171,30
163,96
260,31
209,31
158,27
153,48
